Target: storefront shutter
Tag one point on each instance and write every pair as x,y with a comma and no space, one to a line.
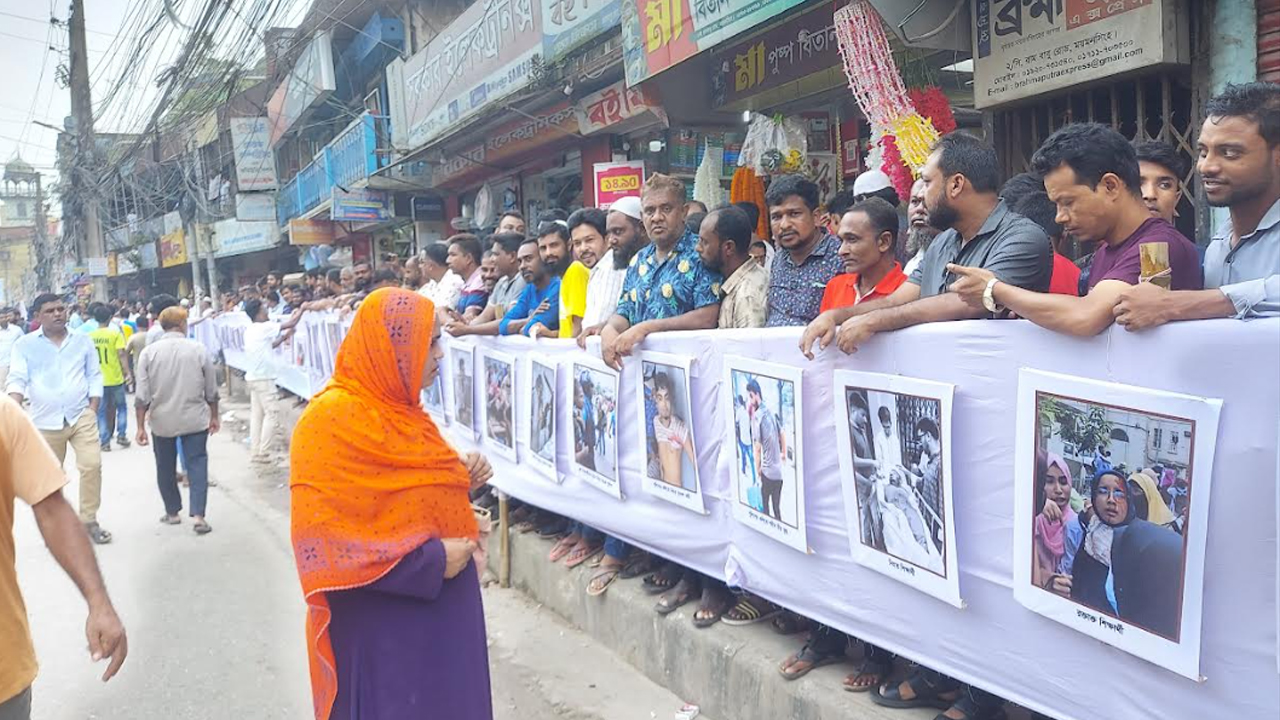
1269,40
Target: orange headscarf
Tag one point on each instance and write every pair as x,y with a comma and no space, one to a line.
372,479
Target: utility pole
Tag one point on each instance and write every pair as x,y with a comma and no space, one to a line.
44,253
84,170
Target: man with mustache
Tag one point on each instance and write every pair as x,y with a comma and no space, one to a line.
537,305
1091,172
1240,165
919,232
625,235
809,257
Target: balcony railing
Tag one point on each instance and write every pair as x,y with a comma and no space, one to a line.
345,162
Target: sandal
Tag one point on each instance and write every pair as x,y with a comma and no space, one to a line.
562,547
171,519
97,534
713,605
675,598
663,580
202,528
749,610
641,563
582,553
916,690
789,623
601,581
966,708
788,668
868,675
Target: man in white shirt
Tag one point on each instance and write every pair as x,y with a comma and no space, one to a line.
443,287
9,334
58,372
260,341
158,305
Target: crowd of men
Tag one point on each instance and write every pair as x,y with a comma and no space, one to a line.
969,247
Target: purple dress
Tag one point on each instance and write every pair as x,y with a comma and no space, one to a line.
412,646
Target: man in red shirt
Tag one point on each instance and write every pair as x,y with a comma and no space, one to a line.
868,232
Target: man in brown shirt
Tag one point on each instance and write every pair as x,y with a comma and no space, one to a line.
178,388
30,472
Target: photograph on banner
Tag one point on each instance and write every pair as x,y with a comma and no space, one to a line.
894,440
433,400
671,463
1111,506
498,413
768,475
542,416
462,375
595,425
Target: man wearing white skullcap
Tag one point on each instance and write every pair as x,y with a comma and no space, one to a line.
626,236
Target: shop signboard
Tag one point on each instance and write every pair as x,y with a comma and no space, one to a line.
568,24
310,232
98,266
614,181
484,55
173,243
802,46
427,209
310,81
125,265
361,206
514,139
251,145
1024,49
149,255
614,105
254,206
113,264
234,237
657,34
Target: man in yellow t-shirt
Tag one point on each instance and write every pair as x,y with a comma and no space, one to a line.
29,472
114,362
573,299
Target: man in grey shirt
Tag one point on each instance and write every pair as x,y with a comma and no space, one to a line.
1239,145
178,388
961,181
510,284
770,447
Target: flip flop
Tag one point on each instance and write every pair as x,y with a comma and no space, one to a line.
202,528
675,598
715,600
641,563
789,623
97,534
811,656
663,580
577,557
869,670
171,519
751,610
606,576
562,547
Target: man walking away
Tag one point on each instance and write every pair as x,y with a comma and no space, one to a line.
114,363
176,383
133,347
10,331
58,372
30,472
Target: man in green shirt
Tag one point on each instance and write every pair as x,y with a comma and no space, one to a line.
114,362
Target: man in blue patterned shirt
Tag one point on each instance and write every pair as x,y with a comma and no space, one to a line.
667,287
809,257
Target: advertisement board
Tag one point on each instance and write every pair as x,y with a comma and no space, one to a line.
251,145
361,206
614,181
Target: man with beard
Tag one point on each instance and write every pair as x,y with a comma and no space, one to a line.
809,258
1240,165
555,243
724,241
960,184
625,235
505,247
919,232
363,270
1091,172
489,274
537,304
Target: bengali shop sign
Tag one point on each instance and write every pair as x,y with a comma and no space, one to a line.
310,232
512,140
251,144
484,55
1023,49
568,24
237,238
657,34
361,206
607,108
173,243
614,181
804,45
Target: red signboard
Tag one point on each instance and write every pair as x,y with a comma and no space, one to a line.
614,181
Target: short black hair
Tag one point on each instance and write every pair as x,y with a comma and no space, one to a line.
142,322
553,227
881,215
252,307
595,217
1091,150
731,223
840,203
162,302
788,185
759,244
693,221
334,275
102,312
272,272
700,204
887,194
1255,101
385,273
751,209
960,153
470,245
1039,209
662,381
510,242
43,299
1020,186
272,295
928,426
437,253
1162,154
315,272
512,213
753,386
884,414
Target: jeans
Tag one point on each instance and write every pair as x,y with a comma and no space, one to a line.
17,707
197,459
615,548
771,490
82,436
113,396
747,456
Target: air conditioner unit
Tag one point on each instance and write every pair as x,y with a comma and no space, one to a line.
933,24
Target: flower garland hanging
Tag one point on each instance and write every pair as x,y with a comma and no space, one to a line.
877,86
933,105
899,174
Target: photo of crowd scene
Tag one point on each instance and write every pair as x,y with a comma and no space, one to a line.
1112,496
595,421
896,448
765,429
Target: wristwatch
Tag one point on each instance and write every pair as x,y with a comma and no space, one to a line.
989,298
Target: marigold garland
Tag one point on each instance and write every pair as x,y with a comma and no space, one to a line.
747,187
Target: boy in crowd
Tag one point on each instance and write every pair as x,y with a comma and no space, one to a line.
1161,170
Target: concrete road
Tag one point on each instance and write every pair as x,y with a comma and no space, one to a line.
215,622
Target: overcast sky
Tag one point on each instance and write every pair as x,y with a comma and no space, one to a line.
29,68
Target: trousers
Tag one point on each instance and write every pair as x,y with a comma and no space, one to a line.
82,436
197,459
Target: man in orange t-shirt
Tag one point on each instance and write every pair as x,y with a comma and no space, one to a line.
868,232
29,472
